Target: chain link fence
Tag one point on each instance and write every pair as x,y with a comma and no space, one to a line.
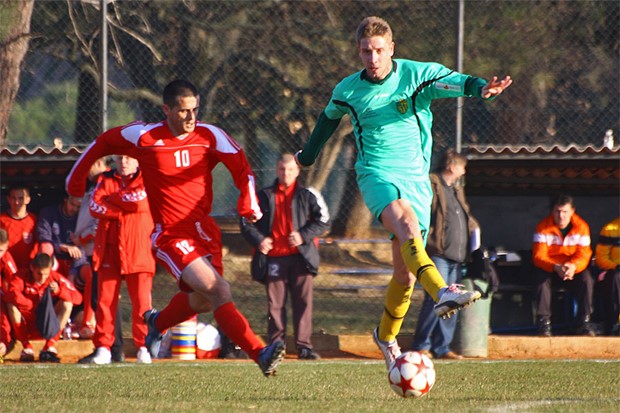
266,69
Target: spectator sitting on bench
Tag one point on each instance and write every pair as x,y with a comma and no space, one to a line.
608,261
561,255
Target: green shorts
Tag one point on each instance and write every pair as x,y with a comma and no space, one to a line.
379,190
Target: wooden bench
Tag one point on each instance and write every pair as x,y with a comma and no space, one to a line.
513,308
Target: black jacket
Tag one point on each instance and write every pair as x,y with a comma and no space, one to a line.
310,218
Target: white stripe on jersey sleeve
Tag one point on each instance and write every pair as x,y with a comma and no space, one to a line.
322,204
258,214
223,142
134,131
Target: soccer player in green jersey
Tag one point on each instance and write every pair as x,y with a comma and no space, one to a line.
389,105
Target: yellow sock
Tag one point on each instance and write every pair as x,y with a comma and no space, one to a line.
422,266
397,301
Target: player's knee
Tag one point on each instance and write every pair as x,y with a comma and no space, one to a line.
200,303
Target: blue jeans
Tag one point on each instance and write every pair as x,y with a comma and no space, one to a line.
433,333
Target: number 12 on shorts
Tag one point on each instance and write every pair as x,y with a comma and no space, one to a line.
184,247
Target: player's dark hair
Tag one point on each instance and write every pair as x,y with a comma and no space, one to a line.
561,200
372,26
42,260
17,187
4,236
178,88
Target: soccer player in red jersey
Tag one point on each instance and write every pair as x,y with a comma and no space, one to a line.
176,157
8,269
20,225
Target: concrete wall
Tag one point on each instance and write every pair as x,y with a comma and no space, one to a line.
510,221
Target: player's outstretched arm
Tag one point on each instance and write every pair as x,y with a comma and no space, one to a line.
323,130
495,87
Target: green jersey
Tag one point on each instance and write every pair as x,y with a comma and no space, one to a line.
392,119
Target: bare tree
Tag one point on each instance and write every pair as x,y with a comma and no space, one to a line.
14,38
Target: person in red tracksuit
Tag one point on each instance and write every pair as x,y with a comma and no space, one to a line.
8,269
121,250
23,294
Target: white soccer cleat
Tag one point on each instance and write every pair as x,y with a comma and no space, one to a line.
390,350
143,357
453,299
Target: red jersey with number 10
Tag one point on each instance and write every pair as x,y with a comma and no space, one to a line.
177,171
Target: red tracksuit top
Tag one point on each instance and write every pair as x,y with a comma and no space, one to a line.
8,269
25,293
22,245
177,171
125,222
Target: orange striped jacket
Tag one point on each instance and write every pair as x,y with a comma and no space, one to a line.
550,248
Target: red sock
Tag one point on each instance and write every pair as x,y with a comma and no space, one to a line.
177,311
21,334
50,343
236,327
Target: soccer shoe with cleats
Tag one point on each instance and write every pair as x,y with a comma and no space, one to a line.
154,336
49,356
390,349
270,356
453,299
143,356
101,355
27,355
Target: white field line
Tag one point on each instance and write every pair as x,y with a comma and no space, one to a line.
206,364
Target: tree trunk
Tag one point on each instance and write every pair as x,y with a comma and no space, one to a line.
15,35
88,116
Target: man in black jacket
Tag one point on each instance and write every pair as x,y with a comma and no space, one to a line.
286,255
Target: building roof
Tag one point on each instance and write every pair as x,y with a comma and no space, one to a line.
37,166
543,169
545,152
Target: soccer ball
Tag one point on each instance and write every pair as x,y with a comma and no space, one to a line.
412,375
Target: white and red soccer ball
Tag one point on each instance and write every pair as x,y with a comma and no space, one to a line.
412,375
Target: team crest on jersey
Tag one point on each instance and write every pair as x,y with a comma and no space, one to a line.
27,237
402,106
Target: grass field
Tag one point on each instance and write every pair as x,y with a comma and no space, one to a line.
322,386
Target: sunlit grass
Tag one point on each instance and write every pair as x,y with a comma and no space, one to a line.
323,386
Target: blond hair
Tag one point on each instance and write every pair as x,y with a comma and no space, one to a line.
373,26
